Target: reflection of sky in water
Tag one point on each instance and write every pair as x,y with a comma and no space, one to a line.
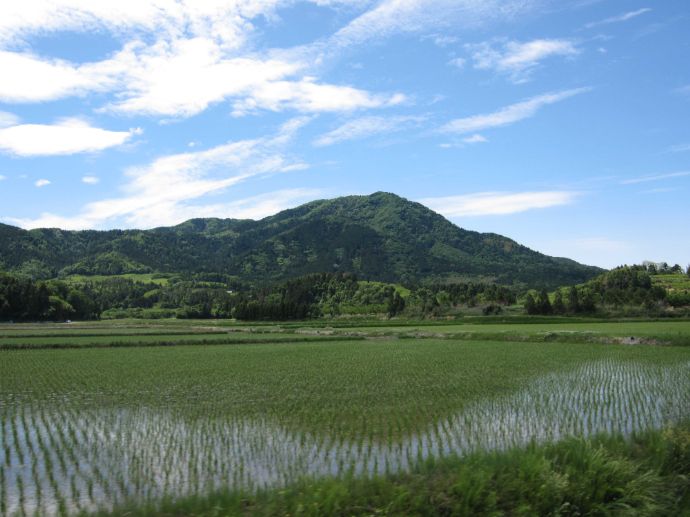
76,459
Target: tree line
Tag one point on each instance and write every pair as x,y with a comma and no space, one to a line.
217,296
625,286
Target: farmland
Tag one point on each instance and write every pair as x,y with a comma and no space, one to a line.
88,424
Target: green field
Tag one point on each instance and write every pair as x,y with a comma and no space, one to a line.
665,332
87,425
144,278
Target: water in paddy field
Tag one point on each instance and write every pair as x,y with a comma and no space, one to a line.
62,460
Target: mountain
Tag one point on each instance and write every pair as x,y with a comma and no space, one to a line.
379,237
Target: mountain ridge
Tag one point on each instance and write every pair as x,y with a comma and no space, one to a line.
380,236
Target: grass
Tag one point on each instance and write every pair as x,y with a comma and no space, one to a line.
144,278
675,332
150,340
330,425
609,475
672,281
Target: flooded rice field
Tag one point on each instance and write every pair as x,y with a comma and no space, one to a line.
61,459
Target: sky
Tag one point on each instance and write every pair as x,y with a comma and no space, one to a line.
562,124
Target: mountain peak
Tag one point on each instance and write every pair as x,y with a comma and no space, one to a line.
380,236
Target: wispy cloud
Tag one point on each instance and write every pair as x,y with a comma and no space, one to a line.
517,59
475,139
68,136
367,126
308,96
510,114
660,190
497,203
90,180
390,17
41,183
619,18
457,62
181,78
679,148
8,119
2,177
178,59
162,192
227,22
254,207
658,177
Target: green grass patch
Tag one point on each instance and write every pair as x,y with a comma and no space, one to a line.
609,475
144,278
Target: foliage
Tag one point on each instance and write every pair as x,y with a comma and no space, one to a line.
196,297
377,237
615,290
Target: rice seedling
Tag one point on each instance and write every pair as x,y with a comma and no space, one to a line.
88,429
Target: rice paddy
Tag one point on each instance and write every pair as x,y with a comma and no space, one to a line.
86,429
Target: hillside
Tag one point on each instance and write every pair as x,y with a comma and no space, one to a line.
379,237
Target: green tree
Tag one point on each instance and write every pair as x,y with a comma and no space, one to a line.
530,304
396,304
558,305
543,303
588,303
573,300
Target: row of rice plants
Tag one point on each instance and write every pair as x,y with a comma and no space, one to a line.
64,458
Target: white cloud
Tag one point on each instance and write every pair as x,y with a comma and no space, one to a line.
199,57
367,126
184,77
390,17
69,136
620,18
509,114
41,183
228,22
475,139
497,203
199,53
645,179
8,119
517,59
308,96
255,207
660,190
90,180
457,62
181,78
679,148
2,177
35,79
445,40
160,193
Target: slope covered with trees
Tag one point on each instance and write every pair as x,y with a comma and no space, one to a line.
626,290
378,237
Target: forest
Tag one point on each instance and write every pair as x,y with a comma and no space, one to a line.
628,290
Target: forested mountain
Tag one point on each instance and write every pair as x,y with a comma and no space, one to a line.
378,237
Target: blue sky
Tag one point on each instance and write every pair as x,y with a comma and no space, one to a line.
561,124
